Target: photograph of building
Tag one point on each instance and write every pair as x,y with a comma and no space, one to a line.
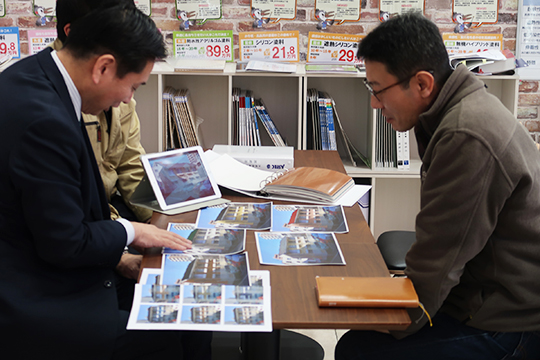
298,249
302,218
250,216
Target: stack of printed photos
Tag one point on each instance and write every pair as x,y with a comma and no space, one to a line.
210,287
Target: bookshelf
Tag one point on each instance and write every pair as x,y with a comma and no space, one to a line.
395,196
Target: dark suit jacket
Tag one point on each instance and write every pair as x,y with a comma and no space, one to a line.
58,246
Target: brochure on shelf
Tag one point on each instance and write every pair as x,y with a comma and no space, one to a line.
325,131
392,148
249,116
298,248
270,66
342,68
197,65
356,157
477,59
182,125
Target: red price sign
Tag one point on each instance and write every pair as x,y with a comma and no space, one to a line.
218,52
346,55
282,53
9,41
8,48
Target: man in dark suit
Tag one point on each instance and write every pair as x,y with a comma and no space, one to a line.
58,246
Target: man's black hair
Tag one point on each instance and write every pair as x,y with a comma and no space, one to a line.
407,44
122,31
68,11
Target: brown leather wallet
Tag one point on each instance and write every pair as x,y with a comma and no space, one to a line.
383,292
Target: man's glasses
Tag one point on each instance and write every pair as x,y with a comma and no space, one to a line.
375,93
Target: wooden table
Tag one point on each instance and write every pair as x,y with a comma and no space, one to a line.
294,304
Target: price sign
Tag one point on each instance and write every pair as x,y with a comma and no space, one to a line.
332,48
40,39
210,45
468,43
269,46
9,42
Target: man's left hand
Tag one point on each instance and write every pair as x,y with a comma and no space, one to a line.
129,266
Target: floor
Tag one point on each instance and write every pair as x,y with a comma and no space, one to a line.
293,346
326,338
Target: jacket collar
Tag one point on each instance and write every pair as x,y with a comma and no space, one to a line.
52,72
460,84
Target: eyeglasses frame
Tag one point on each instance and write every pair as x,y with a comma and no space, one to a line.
375,93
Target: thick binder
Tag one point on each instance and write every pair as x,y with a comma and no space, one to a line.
379,292
239,177
309,183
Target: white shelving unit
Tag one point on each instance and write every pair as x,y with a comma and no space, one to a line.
395,195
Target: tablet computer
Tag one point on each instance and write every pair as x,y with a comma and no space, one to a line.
180,178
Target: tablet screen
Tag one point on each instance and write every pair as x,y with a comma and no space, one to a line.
179,177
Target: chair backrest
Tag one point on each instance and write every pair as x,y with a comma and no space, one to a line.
393,246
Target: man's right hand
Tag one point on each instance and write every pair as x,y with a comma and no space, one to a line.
147,236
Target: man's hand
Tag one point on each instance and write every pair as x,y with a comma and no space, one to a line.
129,266
147,236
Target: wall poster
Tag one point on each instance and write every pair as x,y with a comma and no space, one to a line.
144,6
45,10
190,12
528,39
390,8
264,11
330,12
471,14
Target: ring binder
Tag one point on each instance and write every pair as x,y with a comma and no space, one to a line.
308,183
271,178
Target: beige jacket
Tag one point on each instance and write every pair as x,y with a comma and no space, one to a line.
118,154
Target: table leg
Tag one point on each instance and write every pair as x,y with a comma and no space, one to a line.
260,346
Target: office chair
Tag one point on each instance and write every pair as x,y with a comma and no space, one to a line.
393,246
